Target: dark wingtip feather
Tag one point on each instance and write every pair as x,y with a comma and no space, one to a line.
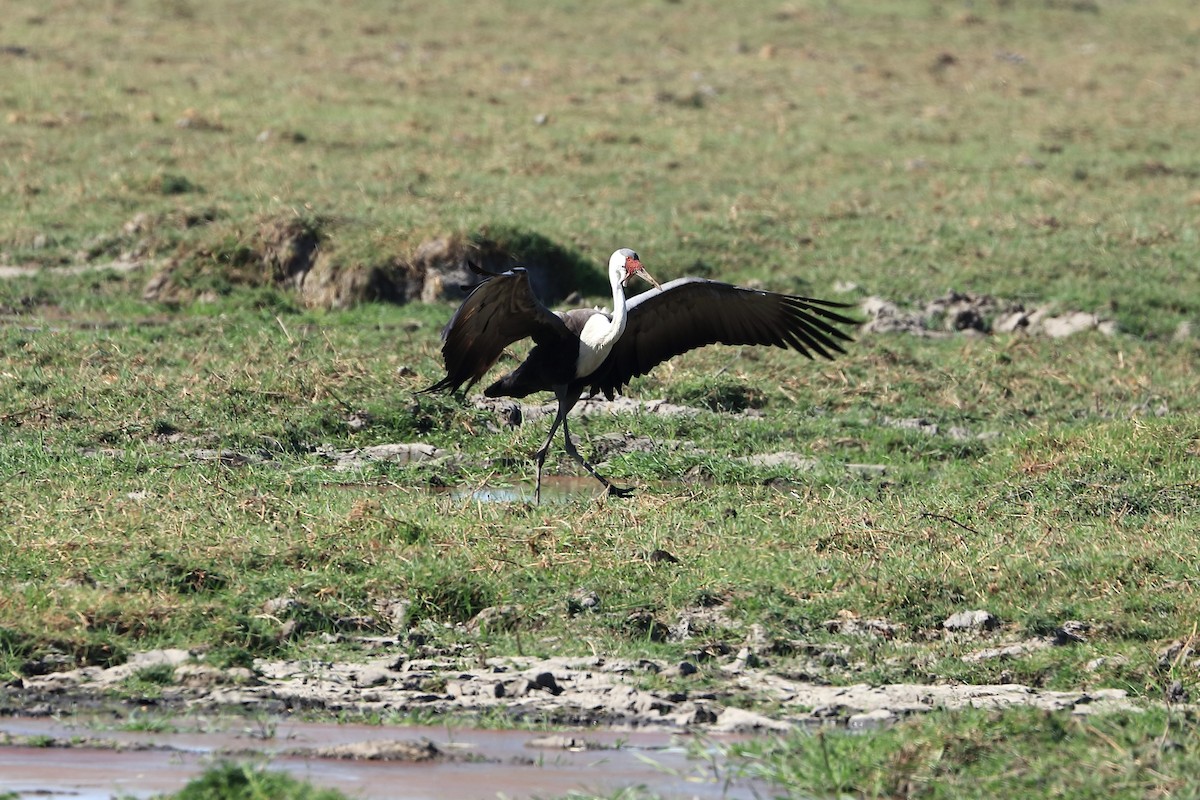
444,385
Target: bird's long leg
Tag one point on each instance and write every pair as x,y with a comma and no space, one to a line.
559,419
608,485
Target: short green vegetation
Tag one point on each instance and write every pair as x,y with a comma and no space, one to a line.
244,782
987,754
163,463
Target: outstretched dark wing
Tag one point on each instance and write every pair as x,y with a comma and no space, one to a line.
496,313
692,312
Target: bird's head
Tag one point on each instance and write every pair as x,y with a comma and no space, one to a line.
624,264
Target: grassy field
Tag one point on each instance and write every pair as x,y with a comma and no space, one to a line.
1047,153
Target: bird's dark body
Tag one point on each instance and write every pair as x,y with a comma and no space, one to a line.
661,323
531,375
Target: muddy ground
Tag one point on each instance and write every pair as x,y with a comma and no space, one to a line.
789,682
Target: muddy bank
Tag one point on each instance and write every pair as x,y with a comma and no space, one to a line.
707,694
87,759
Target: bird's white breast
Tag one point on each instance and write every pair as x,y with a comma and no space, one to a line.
595,341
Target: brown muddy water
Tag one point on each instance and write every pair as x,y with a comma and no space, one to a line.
83,761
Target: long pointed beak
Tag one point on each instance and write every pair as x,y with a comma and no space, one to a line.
649,278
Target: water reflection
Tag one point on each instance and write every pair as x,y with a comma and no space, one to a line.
555,489
478,764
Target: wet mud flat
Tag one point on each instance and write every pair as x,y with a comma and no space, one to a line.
600,724
84,760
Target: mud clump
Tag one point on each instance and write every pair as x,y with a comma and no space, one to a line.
285,252
977,314
441,266
294,253
710,693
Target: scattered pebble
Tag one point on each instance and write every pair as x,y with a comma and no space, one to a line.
967,313
978,619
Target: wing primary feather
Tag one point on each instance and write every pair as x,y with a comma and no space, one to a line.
693,312
500,310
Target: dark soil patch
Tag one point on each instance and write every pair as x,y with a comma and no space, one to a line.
297,254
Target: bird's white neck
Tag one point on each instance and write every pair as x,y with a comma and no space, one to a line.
601,333
618,313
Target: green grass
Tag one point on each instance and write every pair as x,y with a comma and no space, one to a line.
242,782
983,754
1039,152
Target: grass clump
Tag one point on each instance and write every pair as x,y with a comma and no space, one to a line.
980,754
244,782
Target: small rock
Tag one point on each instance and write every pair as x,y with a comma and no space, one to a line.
868,470
346,460
560,742
200,676
355,623
1168,655
508,412
382,751
230,458
153,658
701,715
369,678
978,619
739,720
1009,651
50,662
914,424
1069,324
401,453
358,420
495,618
786,458
1176,694
647,704
849,623
547,681
660,556
757,638
1105,661
241,676
395,612
1071,632
1010,323
583,600
869,720
643,623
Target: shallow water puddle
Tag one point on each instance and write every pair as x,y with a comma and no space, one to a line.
474,764
555,489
